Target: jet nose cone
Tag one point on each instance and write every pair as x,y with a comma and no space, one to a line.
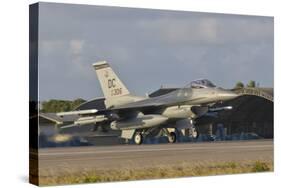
227,95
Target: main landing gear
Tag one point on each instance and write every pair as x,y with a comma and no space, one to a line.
172,137
194,133
138,137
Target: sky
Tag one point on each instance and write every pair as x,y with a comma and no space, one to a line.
149,48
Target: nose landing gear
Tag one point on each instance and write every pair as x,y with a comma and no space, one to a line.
138,138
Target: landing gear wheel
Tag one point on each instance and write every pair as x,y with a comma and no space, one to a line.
172,138
138,138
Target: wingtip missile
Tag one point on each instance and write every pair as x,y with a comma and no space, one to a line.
220,108
78,112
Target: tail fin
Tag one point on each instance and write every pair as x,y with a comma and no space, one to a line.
111,85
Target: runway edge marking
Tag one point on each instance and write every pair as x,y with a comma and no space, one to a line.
150,150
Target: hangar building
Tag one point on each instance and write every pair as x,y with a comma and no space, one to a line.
252,113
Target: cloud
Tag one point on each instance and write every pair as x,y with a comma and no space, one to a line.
47,47
148,48
178,30
244,29
76,46
208,29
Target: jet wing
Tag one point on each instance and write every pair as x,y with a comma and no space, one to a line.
162,101
177,97
139,105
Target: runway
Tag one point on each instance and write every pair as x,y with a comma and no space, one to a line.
127,156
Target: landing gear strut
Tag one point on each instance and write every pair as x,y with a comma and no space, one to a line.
138,138
194,132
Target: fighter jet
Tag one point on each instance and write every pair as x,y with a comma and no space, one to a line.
137,116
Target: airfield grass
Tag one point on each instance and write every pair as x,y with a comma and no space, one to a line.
167,171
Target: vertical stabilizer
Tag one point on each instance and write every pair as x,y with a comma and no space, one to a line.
111,85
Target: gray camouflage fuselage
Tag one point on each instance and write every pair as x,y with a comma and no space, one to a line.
178,104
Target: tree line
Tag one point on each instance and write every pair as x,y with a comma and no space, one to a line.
55,105
240,84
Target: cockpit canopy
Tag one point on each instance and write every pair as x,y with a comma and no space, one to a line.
201,83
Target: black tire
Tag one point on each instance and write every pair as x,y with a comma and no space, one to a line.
172,138
138,138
